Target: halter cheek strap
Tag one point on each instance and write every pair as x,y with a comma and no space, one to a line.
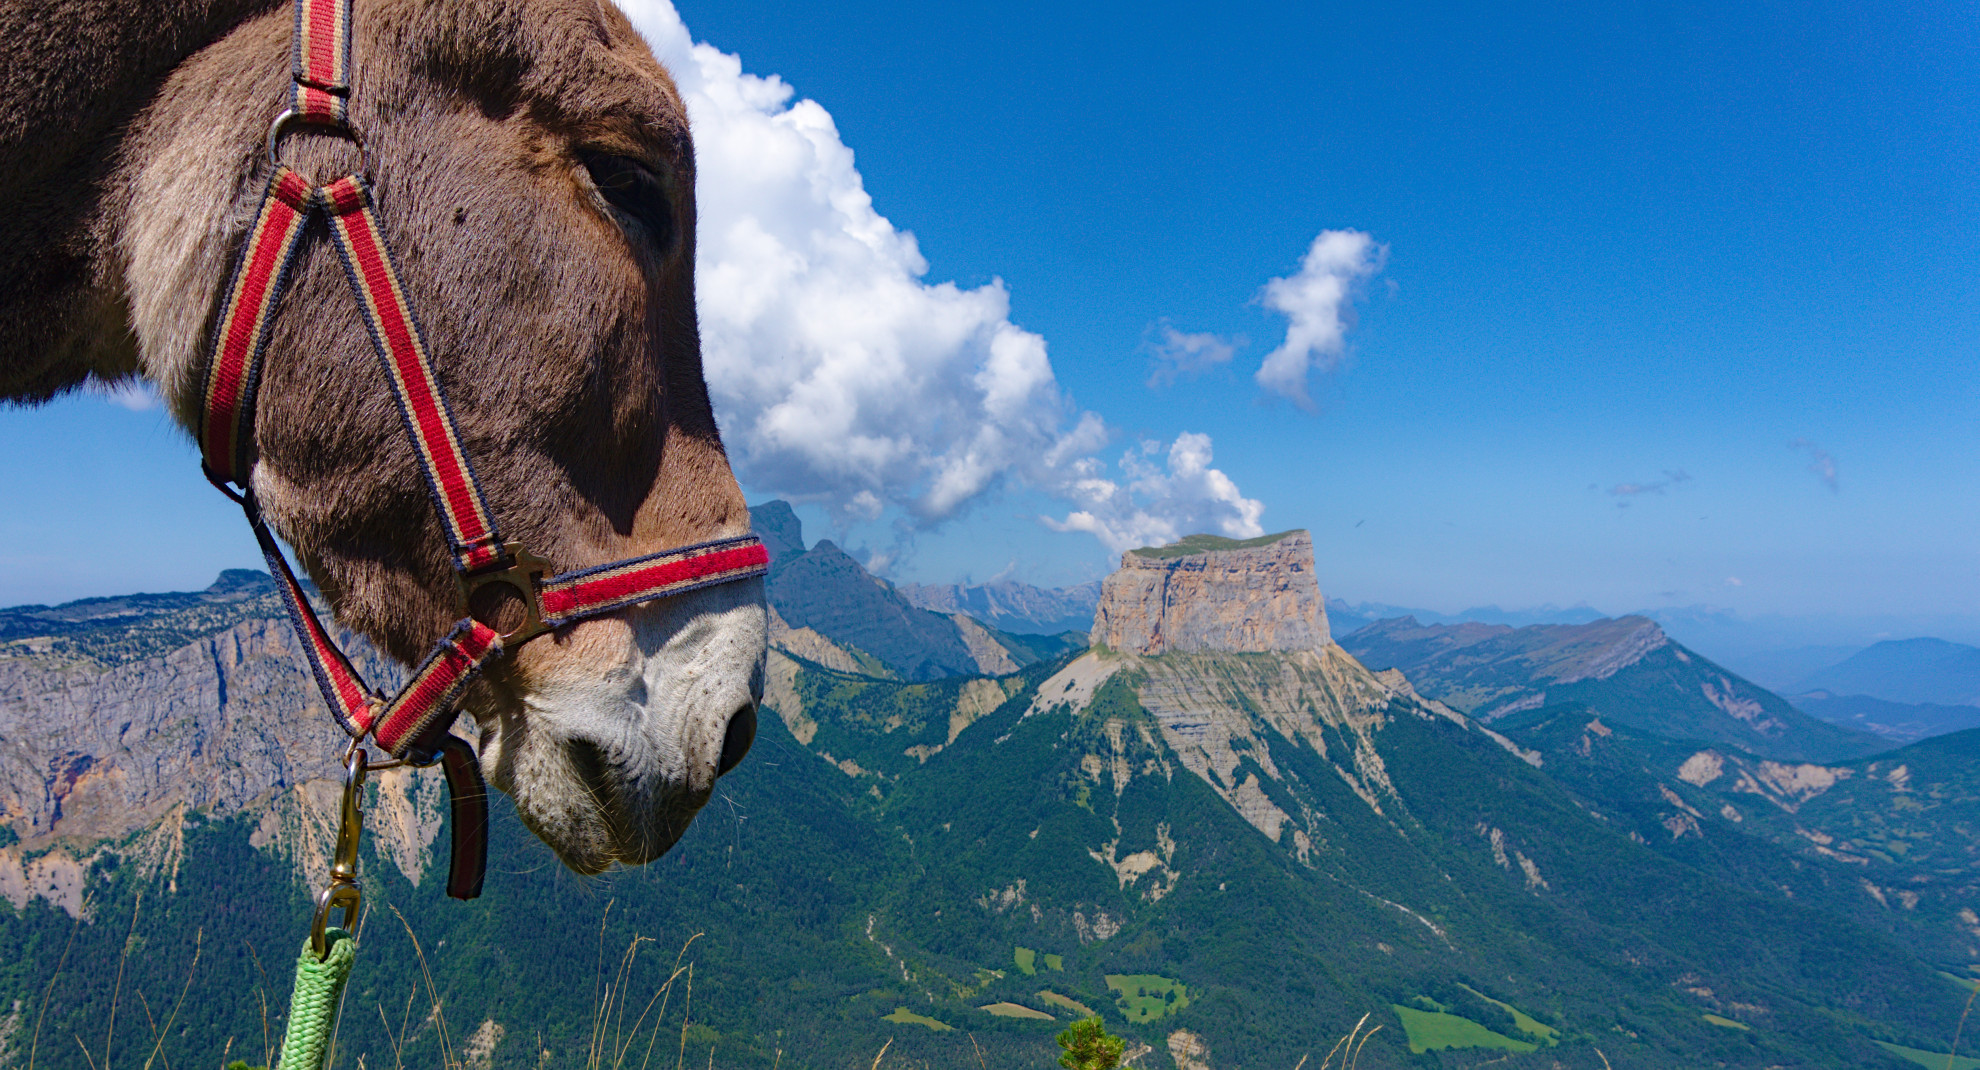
414,723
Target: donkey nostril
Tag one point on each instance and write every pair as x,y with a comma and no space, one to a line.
736,741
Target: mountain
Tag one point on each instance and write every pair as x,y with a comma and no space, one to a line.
1905,670
1905,722
1210,593
1218,830
830,610
1891,842
1012,606
1627,668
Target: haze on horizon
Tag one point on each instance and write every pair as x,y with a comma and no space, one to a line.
1628,308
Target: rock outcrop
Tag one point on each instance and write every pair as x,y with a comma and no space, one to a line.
777,524
1208,594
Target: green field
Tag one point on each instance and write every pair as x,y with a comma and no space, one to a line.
1056,962
908,1017
1726,1023
1027,960
1432,1030
1068,1003
1016,1010
1936,1060
1146,996
1528,1024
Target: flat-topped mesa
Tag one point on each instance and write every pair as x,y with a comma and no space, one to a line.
1212,593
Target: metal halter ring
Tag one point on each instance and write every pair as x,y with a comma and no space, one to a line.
291,116
520,576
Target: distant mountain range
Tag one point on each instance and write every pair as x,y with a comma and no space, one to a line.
1905,670
1012,606
1348,617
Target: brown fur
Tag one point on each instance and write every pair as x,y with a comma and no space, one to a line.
131,154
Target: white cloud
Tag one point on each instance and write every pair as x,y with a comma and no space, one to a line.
136,395
838,373
841,376
1161,502
1318,304
1178,355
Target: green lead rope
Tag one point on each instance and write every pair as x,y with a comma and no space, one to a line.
313,1006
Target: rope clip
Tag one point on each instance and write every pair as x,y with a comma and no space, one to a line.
342,891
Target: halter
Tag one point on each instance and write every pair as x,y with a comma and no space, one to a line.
413,725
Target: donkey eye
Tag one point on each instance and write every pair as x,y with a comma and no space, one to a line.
635,192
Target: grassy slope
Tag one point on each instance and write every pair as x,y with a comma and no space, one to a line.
1919,838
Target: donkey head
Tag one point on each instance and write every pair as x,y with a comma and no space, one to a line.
535,176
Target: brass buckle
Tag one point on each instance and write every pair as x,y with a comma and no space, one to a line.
520,576
342,891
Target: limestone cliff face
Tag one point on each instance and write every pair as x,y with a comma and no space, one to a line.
1208,594
229,723
219,725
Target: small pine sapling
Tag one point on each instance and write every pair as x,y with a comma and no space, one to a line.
1089,1047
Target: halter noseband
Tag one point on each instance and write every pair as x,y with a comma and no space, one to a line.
413,724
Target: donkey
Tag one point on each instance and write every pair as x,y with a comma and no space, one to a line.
535,176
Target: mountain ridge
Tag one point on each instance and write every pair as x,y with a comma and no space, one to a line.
1627,667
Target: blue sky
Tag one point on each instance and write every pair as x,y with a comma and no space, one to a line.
1620,248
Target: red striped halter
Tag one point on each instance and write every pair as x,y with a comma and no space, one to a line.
414,724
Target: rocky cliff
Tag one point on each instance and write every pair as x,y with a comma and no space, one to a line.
1212,594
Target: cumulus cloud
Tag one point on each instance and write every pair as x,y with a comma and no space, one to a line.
1166,494
1318,303
1820,462
841,376
1180,356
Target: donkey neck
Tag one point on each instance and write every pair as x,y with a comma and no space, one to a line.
79,72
